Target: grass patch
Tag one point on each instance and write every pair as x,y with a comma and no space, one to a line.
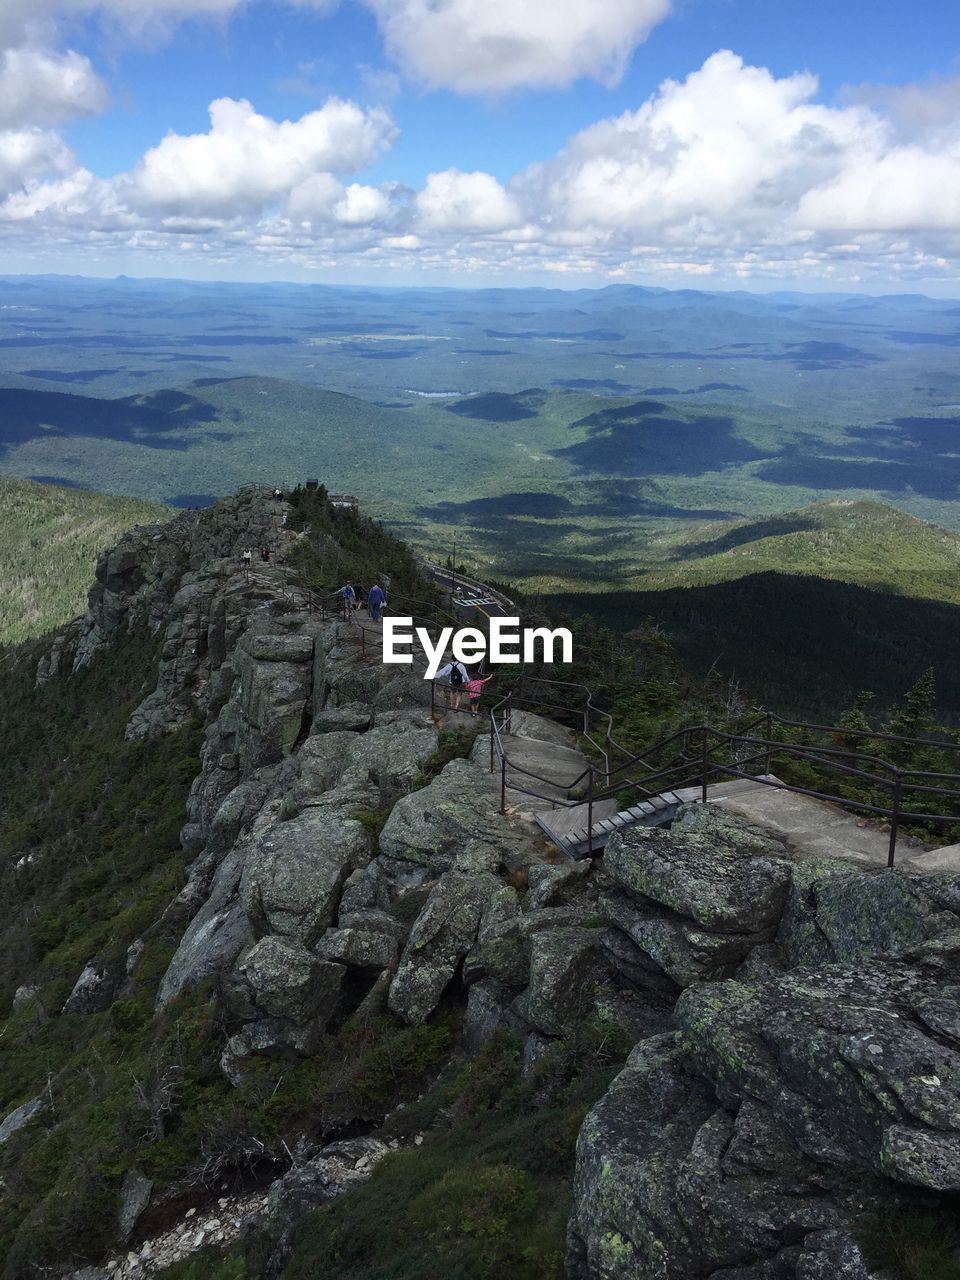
923,1245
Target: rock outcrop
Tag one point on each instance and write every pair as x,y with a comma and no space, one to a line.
796,1024
813,1075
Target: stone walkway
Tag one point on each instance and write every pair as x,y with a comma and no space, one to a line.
817,829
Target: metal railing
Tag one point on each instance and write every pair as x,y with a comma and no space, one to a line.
700,754
696,754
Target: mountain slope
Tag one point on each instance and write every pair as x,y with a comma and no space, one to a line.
865,543
50,537
800,644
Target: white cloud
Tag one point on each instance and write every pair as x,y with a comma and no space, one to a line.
247,161
42,88
905,189
29,154
489,46
321,199
456,201
732,174
729,144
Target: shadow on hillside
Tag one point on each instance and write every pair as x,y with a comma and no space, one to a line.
154,420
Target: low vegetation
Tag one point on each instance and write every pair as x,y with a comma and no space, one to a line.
50,537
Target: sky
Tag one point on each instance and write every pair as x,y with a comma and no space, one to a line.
754,144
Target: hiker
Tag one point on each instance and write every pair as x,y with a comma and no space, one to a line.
278,495
346,595
283,522
357,595
376,599
475,688
457,676
247,558
264,554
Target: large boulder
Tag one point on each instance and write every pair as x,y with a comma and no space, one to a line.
392,754
861,1066
441,936
671,1186
706,867
215,936
272,698
294,871
94,990
453,823
696,897
280,978
370,944
503,948
837,913
679,947
567,967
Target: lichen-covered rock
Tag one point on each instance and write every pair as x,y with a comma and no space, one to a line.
365,890
488,1010
834,913
683,950
551,884
454,823
567,966
235,814
502,951
369,949
626,1224
282,979
670,1186
354,717
333,1170
706,867
441,936
320,763
269,1038
845,1059
273,698
135,1192
635,967
293,873
392,754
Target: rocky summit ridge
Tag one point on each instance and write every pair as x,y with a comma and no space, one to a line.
795,1023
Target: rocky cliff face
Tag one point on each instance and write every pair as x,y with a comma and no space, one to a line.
796,1024
813,1073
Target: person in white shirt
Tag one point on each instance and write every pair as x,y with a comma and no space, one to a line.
456,675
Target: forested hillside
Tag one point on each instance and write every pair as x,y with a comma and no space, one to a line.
50,536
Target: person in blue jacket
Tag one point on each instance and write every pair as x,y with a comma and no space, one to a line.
376,599
347,597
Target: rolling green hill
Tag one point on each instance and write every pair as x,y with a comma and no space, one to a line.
50,537
806,609
865,543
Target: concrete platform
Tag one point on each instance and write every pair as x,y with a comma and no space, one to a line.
812,828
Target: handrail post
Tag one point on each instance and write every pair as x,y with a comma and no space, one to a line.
503,782
767,759
433,707
895,816
493,730
590,812
704,765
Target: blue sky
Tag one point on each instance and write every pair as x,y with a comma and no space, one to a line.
814,144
